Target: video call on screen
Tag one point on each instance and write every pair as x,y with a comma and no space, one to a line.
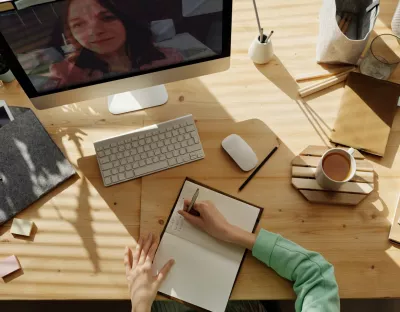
68,43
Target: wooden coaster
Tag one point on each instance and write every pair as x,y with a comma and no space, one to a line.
351,193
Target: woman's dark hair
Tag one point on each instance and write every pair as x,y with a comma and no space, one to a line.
139,45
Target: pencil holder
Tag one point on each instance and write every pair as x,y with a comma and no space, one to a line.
261,52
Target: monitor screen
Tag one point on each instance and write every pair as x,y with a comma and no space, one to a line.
63,45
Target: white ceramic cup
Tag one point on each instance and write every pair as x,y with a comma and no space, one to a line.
261,53
326,182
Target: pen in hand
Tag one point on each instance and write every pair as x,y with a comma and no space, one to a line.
190,208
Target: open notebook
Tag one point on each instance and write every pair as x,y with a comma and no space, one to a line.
205,269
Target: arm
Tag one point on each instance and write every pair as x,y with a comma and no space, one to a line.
313,277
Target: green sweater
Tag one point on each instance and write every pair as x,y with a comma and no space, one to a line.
313,276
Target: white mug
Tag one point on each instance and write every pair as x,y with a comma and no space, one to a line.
326,182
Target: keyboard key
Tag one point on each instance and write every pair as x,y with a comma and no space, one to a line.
121,142
137,158
121,169
99,148
187,136
150,154
167,142
155,159
148,140
149,161
107,152
129,174
141,136
186,157
142,163
135,144
114,178
162,157
104,160
154,133
128,167
143,156
128,146
120,156
153,145
164,150
162,136
147,148
168,135
106,146
151,168
191,142
169,155
114,150
182,151
130,159
155,138
140,149
107,181
179,159
162,130
121,176
113,145
123,161
148,134
174,140
142,142
184,144
189,122
106,173
193,157
190,128
176,126
175,133
127,154
177,145
193,148
181,130
114,171
157,151
133,151
160,144
172,161
113,157
196,140
170,148
135,165
116,164
169,129
180,138
127,140
176,153
183,124
135,138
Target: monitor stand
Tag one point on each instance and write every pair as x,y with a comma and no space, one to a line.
136,100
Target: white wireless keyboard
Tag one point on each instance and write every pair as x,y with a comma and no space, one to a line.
148,150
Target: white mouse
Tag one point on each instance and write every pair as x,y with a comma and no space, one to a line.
240,152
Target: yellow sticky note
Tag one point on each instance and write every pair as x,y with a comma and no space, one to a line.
21,227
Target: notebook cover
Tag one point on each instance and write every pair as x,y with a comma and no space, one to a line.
366,113
31,164
394,234
170,215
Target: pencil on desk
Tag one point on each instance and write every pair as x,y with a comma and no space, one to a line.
258,168
320,75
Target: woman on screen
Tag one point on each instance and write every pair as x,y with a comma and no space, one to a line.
107,42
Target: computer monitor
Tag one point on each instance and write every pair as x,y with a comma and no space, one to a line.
69,51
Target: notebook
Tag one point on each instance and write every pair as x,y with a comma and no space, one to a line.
366,113
394,234
205,269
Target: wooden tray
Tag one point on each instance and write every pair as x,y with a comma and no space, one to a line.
351,193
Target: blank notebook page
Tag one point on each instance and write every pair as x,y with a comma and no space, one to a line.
205,269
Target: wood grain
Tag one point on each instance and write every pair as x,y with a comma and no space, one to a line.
77,252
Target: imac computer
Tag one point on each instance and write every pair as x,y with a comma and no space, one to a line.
68,51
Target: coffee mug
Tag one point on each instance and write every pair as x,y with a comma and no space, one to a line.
336,167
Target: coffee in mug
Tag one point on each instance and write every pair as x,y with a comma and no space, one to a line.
336,167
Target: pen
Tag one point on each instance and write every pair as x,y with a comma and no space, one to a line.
196,194
258,168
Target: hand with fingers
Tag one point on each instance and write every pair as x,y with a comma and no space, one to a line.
143,285
209,219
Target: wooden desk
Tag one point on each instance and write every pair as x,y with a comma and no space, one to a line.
83,227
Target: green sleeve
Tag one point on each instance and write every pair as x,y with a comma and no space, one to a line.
313,276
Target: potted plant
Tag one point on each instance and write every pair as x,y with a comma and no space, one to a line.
5,73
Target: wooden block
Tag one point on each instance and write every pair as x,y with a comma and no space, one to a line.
9,265
313,150
309,172
349,187
21,227
311,161
332,198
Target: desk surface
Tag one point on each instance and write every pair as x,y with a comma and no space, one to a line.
83,227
